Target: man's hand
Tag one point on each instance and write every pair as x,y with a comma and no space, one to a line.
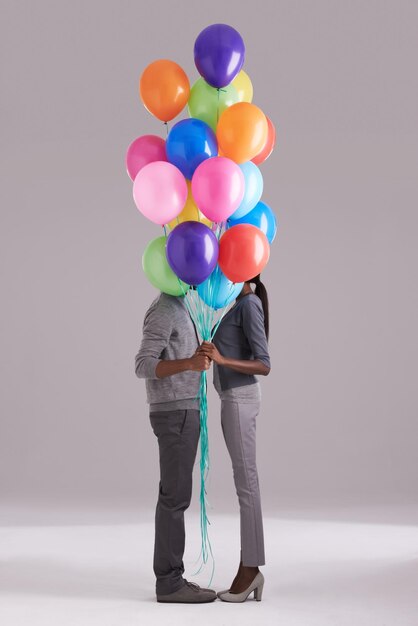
210,350
199,362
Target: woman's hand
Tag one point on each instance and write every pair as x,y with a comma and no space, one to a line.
211,351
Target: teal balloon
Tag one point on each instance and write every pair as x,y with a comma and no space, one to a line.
261,216
207,103
218,291
253,189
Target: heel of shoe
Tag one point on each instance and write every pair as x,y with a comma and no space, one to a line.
258,592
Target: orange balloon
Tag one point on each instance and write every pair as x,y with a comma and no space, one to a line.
244,251
269,145
164,89
242,131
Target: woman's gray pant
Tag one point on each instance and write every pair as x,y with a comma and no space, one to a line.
239,429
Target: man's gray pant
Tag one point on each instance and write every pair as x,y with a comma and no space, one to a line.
239,429
178,437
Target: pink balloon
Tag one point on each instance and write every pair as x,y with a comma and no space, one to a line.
218,186
160,191
144,150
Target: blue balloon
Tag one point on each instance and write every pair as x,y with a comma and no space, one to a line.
218,291
261,216
253,189
189,143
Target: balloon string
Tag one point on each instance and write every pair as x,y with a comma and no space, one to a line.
194,306
166,128
203,316
217,109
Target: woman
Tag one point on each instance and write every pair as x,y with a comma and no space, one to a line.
240,352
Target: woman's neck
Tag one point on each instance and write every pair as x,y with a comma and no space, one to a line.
245,291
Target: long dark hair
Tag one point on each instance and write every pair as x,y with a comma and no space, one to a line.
261,292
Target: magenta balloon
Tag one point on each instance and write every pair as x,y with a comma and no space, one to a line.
160,192
218,186
144,150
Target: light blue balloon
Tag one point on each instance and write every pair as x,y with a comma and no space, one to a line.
253,189
218,291
261,216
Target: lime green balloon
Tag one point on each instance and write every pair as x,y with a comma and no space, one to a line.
207,103
158,271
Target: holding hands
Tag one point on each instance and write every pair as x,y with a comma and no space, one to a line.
251,367
199,362
210,351
203,357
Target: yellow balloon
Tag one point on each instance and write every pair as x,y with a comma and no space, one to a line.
243,85
190,213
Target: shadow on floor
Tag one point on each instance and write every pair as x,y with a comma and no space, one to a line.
57,578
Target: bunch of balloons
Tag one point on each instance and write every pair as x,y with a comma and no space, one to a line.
203,184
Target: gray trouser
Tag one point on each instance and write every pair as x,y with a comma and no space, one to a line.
239,429
178,436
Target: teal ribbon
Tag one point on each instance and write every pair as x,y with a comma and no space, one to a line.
203,316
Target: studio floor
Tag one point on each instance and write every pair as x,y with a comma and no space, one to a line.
319,573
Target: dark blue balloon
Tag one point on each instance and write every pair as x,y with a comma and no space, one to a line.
261,216
192,252
219,53
189,143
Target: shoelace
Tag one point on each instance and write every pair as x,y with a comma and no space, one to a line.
192,586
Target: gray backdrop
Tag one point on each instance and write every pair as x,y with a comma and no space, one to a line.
339,414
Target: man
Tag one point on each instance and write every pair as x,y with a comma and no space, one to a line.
168,361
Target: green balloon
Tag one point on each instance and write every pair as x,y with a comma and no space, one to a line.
158,271
207,103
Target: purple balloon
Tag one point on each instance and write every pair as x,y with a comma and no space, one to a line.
192,252
219,53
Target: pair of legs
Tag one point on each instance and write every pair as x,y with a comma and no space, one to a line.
239,430
178,436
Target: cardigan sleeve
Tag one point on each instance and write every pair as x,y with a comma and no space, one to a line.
156,334
253,327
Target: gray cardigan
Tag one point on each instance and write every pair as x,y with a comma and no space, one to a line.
168,333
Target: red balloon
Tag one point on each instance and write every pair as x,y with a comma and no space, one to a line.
268,146
243,252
